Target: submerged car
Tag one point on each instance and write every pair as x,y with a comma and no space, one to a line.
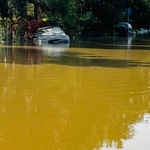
124,29
50,35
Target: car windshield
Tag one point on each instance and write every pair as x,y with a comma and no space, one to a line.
50,31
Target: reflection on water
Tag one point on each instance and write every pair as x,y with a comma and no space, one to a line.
78,98
55,50
114,43
141,138
31,54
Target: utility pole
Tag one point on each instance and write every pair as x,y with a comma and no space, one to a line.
128,12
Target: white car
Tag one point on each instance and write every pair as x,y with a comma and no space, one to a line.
50,35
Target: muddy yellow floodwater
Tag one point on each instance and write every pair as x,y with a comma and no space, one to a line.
77,99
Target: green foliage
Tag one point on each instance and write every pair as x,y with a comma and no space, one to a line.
141,14
69,14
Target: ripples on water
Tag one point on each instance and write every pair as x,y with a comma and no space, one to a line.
90,95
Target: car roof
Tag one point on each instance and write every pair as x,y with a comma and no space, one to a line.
125,24
47,27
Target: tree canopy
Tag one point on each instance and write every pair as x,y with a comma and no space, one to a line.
80,16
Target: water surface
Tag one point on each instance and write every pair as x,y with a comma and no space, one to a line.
92,95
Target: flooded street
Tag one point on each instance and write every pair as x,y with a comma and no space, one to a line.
89,95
